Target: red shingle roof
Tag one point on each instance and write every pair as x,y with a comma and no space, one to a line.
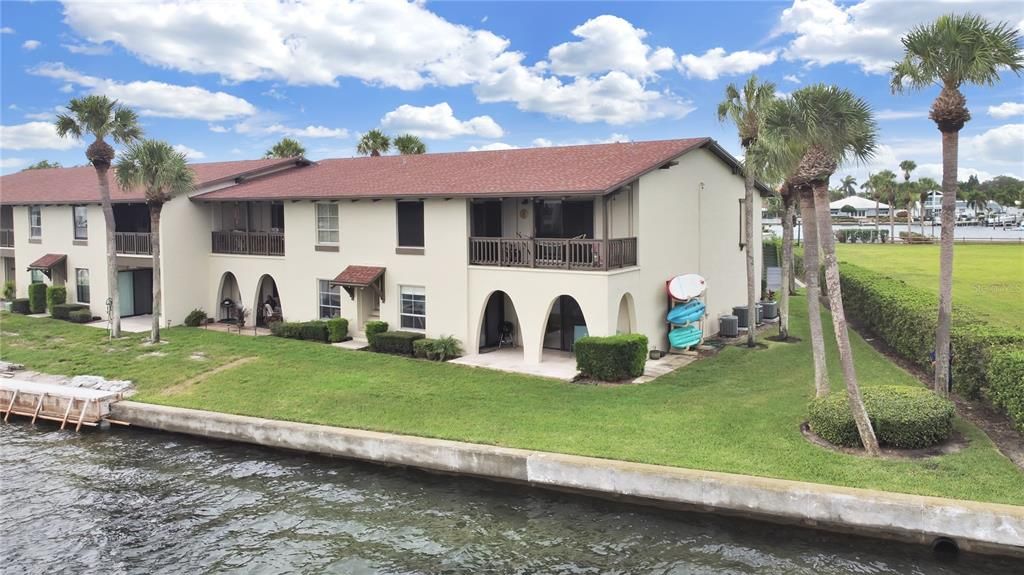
358,276
46,262
78,185
566,170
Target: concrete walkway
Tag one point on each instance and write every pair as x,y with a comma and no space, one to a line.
134,324
554,364
355,344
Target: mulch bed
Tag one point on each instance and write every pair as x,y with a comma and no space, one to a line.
955,443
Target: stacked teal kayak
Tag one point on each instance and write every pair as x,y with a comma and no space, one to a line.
684,315
686,336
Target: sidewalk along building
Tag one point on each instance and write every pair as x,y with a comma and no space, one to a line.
539,245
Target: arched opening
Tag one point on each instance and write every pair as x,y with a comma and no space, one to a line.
565,324
499,324
228,298
267,306
626,322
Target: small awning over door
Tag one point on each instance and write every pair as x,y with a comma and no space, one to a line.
354,277
46,263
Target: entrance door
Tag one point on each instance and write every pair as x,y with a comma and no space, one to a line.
565,324
494,317
367,306
143,291
126,293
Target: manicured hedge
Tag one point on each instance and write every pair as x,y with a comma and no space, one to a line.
55,295
309,330
80,316
396,342
195,318
373,328
902,416
441,349
20,305
1006,381
337,329
37,297
612,358
63,310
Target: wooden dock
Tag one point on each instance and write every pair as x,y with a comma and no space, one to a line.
69,405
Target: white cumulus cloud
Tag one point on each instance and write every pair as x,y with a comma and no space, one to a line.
1002,144
31,44
493,146
1006,110
716,62
438,122
609,43
6,30
34,136
308,132
191,154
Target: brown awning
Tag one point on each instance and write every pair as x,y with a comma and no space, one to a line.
361,277
47,262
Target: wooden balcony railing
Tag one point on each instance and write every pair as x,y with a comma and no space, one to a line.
249,243
553,253
6,238
133,243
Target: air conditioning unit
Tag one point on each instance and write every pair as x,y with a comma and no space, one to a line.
728,326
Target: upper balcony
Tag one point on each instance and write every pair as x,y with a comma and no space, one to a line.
590,234
132,235
248,228
6,227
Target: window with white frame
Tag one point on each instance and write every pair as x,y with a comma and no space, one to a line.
330,299
326,223
35,221
414,307
80,215
37,277
82,285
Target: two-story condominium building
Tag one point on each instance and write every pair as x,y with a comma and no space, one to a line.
545,243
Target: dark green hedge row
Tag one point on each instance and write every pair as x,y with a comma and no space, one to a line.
902,416
307,330
63,310
373,328
904,317
396,342
20,305
55,295
1006,381
80,316
37,297
337,329
612,358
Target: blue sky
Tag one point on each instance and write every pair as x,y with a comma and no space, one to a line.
225,81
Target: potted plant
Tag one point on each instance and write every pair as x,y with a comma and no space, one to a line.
241,314
769,306
8,295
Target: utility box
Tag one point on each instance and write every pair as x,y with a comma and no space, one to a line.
728,326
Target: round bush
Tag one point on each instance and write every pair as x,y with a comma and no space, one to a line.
903,417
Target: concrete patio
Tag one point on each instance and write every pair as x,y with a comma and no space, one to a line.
562,364
134,324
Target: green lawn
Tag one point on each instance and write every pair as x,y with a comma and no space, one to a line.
737,412
987,279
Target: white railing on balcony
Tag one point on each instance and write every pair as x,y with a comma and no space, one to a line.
573,254
133,243
249,243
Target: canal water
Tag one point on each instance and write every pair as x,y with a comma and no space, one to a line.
132,501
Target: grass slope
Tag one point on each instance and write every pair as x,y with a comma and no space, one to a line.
987,279
738,412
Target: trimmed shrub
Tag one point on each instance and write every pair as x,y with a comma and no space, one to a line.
373,328
63,310
396,342
313,331
903,417
37,298
80,316
55,295
195,318
9,290
288,329
20,305
442,349
423,348
337,329
612,358
1006,381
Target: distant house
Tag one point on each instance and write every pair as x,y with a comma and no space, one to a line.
857,207
548,243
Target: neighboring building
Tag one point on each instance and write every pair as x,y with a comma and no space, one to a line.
556,242
858,207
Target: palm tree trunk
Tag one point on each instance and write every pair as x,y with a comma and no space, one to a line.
108,218
787,266
154,230
910,221
835,298
748,232
892,218
950,150
877,235
821,385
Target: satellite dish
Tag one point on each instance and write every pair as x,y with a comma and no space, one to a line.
686,286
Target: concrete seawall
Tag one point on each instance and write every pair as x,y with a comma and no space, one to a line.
973,526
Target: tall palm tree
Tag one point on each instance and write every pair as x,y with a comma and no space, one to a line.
162,172
407,145
885,187
953,50
849,185
910,201
831,125
100,117
925,186
373,143
746,109
908,166
286,148
977,199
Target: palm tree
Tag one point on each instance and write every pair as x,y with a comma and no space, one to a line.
925,186
162,172
977,199
286,148
849,185
908,166
953,50
910,200
885,187
407,145
100,117
373,143
746,110
831,125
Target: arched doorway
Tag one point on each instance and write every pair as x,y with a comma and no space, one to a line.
626,322
267,306
228,298
499,324
565,324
